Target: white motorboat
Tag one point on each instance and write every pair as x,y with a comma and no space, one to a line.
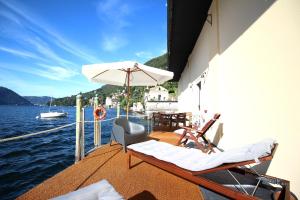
53,114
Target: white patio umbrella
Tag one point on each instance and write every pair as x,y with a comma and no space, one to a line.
127,73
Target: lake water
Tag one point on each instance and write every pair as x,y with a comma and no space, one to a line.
27,162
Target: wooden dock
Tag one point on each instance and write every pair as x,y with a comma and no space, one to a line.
143,181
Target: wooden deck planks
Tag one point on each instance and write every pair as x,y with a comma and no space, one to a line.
143,181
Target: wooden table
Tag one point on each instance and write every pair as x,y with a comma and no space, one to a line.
168,121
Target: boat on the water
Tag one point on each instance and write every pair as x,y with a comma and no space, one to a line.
53,114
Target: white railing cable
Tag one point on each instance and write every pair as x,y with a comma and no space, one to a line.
36,133
57,128
133,116
92,121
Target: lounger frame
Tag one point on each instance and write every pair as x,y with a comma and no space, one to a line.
193,176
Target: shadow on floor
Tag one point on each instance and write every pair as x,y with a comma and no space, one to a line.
145,195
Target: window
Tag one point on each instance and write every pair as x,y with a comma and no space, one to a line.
199,87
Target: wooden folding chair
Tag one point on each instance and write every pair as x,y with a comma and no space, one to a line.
189,134
195,176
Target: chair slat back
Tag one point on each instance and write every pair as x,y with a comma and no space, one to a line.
207,126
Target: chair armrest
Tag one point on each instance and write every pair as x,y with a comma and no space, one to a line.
118,133
187,128
134,127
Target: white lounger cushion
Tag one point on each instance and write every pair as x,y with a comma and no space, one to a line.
101,190
195,160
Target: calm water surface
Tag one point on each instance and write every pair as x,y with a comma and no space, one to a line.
27,162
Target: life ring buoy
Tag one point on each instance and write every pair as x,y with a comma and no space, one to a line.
100,113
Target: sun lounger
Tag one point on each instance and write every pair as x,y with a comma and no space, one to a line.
101,190
194,134
192,164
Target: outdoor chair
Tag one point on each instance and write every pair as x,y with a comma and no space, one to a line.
165,121
195,166
156,119
125,132
179,118
194,134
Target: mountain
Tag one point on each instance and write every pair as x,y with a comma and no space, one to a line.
9,97
38,100
160,62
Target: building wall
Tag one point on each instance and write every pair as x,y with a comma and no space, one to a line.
250,56
155,92
160,106
108,101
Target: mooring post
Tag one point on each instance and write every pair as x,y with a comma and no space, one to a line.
79,136
96,124
118,110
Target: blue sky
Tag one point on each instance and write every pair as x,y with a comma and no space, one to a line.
43,44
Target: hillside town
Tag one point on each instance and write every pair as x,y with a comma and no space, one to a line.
155,99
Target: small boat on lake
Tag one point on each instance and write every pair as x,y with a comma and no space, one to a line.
52,114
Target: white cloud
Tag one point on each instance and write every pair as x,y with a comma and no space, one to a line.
31,86
112,43
23,54
144,54
114,13
11,17
43,48
46,71
55,72
22,87
35,25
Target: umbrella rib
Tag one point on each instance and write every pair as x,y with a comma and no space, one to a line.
147,74
99,74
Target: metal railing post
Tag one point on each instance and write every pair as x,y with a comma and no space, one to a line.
148,122
118,110
78,150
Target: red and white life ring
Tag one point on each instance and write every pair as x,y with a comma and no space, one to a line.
100,113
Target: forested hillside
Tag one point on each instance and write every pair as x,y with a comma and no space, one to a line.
38,100
158,62
9,97
102,92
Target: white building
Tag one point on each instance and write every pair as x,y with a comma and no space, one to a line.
241,58
158,99
157,93
108,102
137,107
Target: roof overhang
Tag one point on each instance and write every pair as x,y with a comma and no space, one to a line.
185,22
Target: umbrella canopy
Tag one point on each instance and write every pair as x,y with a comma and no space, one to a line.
117,74
127,73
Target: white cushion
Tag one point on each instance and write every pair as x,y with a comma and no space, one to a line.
101,190
195,160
